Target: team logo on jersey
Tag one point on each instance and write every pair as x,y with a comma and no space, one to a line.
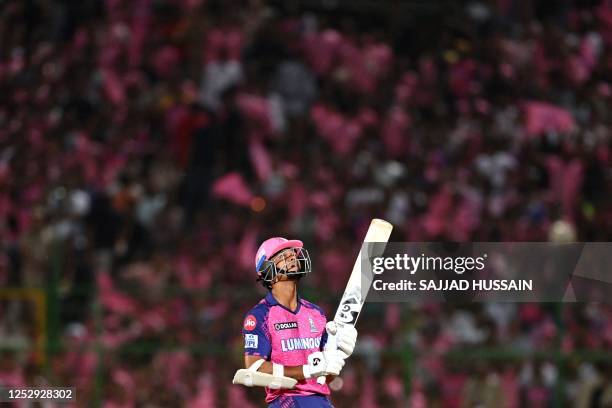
250,341
250,322
313,328
285,325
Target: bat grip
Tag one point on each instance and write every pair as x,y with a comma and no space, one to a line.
330,345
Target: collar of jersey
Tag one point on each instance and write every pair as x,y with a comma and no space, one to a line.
271,300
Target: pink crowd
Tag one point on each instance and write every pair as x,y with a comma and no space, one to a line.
148,147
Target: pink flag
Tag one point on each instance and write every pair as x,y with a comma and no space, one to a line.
247,248
203,277
541,117
184,270
340,132
117,302
510,386
206,395
123,378
171,365
112,299
237,397
165,60
113,87
406,87
353,64
418,398
435,220
256,109
214,43
234,40
465,220
566,181
4,268
368,393
5,172
233,188
260,159
321,49
140,26
393,317
395,132
378,58
394,387
298,200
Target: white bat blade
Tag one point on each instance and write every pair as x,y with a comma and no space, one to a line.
352,299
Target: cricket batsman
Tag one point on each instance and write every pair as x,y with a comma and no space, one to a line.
284,334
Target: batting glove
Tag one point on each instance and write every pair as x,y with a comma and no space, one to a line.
346,336
323,363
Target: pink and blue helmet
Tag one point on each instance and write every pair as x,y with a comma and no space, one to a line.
267,270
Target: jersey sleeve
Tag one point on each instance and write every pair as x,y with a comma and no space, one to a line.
323,340
324,335
257,340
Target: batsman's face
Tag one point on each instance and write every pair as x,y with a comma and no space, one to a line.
287,260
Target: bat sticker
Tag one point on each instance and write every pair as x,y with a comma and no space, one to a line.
349,309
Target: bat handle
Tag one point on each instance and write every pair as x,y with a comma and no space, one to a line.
330,345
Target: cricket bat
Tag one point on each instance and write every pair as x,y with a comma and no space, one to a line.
352,299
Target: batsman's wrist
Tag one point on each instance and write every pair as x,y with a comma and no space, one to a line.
306,371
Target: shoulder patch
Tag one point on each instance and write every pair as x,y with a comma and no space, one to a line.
251,341
255,320
250,322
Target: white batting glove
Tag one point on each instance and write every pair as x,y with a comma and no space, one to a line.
323,363
346,336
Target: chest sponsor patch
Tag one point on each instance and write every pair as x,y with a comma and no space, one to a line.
285,325
251,341
250,322
300,343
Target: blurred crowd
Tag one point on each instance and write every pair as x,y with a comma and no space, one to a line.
148,146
